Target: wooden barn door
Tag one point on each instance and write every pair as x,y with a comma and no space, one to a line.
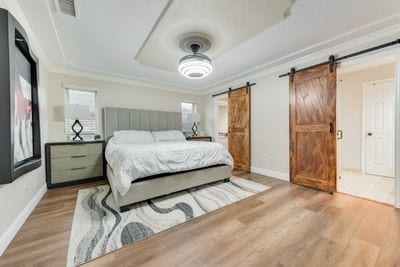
312,128
239,128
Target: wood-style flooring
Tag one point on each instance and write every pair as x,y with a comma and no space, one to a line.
288,225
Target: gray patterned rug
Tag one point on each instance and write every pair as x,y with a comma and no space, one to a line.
98,226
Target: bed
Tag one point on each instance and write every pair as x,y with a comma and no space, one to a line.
141,171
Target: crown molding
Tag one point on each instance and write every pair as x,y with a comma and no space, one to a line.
162,14
123,80
284,64
53,25
14,8
277,66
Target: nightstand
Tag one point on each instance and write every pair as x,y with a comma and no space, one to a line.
199,138
71,163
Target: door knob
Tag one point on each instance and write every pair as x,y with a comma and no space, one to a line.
369,134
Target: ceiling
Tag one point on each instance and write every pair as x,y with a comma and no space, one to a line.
236,22
137,40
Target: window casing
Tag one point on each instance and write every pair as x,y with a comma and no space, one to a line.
87,98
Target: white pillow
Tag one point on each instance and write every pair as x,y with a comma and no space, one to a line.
172,135
133,137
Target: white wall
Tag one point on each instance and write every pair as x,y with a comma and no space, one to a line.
270,104
15,197
19,198
351,85
270,120
269,125
112,94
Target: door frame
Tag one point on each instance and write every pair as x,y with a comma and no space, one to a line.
396,53
397,131
364,122
339,88
216,112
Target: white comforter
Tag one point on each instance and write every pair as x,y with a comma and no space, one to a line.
133,161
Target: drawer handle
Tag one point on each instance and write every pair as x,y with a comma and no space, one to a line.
80,156
80,168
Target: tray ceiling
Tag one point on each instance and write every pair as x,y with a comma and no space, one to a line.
137,40
227,24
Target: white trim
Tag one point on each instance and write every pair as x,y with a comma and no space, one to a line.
134,81
15,226
364,122
216,115
79,87
397,132
296,59
53,24
363,131
270,173
339,90
15,9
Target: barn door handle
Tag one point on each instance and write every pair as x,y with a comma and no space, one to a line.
331,127
339,134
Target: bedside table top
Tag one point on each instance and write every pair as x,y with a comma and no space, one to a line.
75,143
199,138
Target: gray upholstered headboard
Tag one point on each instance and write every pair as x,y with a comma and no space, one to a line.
116,119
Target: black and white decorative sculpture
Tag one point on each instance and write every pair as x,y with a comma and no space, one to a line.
195,119
77,112
77,128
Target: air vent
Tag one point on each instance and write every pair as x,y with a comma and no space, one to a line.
67,7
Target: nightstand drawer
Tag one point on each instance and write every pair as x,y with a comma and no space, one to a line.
70,163
76,173
63,151
76,162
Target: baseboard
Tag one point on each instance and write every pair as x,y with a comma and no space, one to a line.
273,174
13,229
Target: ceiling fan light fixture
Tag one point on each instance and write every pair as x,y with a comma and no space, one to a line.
196,66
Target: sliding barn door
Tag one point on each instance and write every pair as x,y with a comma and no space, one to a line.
312,128
239,128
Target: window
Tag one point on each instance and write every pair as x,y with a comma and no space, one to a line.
187,108
87,98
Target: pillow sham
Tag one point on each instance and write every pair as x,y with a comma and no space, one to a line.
133,137
172,135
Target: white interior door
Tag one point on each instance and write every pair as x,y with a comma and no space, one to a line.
380,128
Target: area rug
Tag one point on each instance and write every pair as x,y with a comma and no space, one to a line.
98,226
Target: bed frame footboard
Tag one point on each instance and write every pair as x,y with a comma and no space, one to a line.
160,186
